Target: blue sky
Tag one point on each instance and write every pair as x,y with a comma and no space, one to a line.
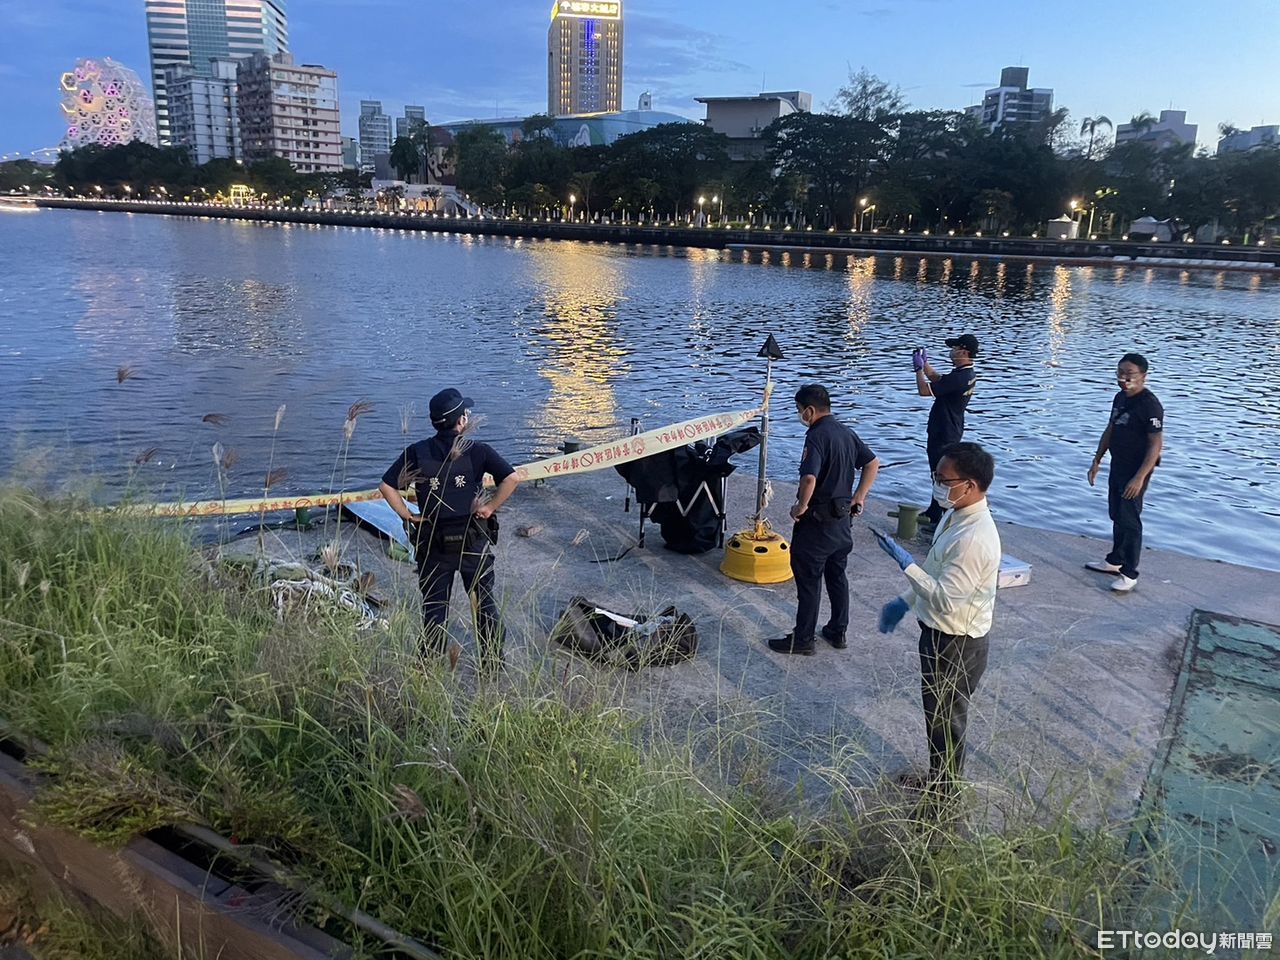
482,58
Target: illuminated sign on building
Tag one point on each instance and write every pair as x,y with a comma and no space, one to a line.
595,9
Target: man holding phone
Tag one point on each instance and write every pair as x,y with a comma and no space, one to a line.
951,393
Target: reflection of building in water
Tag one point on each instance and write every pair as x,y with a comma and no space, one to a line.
584,359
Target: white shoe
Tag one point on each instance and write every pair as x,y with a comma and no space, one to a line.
1102,566
1124,584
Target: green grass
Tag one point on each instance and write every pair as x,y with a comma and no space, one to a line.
52,928
514,821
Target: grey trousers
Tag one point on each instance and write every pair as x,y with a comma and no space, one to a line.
950,668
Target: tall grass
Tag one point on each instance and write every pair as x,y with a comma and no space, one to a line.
512,821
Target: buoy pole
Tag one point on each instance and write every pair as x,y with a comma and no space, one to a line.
764,450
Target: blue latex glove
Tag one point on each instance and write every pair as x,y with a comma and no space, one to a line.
918,360
895,550
891,615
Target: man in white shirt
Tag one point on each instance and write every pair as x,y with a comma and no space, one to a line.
953,596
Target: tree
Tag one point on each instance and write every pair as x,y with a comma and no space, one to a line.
993,209
681,158
1090,125
1142,122
538,126
583,184
480,156
866,97
424,142
833,153
405,157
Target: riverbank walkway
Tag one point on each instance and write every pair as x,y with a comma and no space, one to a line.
1070,711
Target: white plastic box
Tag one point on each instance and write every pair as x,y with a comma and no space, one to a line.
1013,572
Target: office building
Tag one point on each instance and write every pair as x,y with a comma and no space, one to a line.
350,153
1013,102
204,113
744,119
598,130
413,118
645,102
1171,130
1250,139
105,102
198,32
375,134
584,57
290,110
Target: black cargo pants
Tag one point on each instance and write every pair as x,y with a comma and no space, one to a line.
472,559
819,553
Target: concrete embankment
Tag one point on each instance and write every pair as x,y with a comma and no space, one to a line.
1072,705
1109,253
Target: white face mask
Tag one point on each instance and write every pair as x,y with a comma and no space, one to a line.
942,494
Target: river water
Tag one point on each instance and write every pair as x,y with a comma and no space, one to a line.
560,340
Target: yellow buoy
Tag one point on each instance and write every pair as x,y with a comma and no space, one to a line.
759,555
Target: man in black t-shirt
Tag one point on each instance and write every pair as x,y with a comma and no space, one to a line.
451,531
834,458
951,393
1135,437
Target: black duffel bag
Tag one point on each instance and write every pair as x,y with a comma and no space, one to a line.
630,642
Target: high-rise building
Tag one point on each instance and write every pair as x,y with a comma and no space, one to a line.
197,32
1170,130
1013,102
106,103
1251,139
204,114
584,57
375,133
350,153
413,118
744,119
290,110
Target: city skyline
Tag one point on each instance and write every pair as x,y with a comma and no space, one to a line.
942,55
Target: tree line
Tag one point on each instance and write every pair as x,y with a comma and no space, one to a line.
138,169
870,159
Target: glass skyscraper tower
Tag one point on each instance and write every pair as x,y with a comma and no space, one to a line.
196,32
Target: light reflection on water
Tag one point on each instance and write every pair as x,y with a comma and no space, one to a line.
561,340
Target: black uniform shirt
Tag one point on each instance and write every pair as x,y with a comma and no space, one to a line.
951,395
833,454
446,488
1133,422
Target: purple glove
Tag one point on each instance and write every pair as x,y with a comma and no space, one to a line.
919,359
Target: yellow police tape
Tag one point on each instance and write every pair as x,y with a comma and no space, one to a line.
584,461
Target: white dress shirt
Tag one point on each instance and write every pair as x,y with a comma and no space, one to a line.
954,590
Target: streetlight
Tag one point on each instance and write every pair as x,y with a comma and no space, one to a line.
701,202
717,199
573,198
862,213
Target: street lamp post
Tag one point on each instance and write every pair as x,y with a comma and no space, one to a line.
862,213
573,199
701,217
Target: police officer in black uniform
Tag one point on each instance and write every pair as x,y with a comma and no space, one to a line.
454,528
951,393
826,501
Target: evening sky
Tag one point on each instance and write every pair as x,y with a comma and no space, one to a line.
487,58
